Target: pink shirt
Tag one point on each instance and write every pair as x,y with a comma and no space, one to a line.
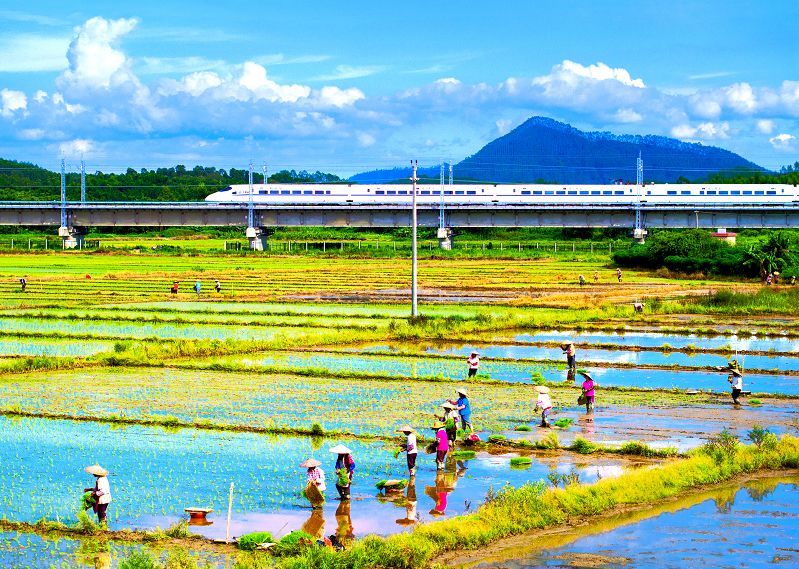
443,442
588,386
474,362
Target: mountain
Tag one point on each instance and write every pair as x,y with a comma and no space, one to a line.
545,150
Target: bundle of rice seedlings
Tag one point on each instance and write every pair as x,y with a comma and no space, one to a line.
496,438
521,461
564,423
523,428
463,454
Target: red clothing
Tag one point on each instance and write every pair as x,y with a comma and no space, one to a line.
443,441
588,387
474,362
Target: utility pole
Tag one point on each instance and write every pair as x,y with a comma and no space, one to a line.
82,182
250,215
63,194
414,260
265,176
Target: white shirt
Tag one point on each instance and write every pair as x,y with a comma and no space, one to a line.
104,487
737,382
543,401
411,443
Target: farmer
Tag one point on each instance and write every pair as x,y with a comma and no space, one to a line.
101,491
596,277
543,403
793,280
474,363
571,353
638,306
443,444
218,286
23,283
409,446
345,466
316,479
736,380
776,278
618,274
450,418
582,280
197,287
464,408
174,289
588,391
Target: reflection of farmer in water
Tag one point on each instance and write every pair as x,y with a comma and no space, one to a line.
439,493
410,504
344,531
315,524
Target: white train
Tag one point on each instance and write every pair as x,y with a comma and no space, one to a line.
320,194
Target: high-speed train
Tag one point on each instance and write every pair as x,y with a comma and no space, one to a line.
337,194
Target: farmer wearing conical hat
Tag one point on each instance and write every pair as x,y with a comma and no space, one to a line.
474,364
571,354
345,466
450,418
736,379
543,403
588,391
442,446
409,447
315,485
101,491
463,408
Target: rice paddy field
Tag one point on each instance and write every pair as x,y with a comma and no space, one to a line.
180,395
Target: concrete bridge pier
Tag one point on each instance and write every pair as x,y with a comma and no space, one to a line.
639,234
72,237
445,238
257,238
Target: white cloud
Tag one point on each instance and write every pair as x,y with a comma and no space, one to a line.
570,72
710,75
365,139
11,102
765,126
173,65
783,142
349,72
254,80
702,131
503,126
29,53
75,148
94,61
627,116
31,134
339,97
741,97
195,84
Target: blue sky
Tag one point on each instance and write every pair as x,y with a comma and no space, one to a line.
349,86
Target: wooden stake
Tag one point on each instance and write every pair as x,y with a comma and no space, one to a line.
229,513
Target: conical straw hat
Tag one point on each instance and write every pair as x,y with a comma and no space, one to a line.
96,469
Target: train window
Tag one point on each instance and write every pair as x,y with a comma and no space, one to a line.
685,193
596,193
274,192
537,192
458,192
583,192
327,192
296,192
391,192
483,191
572,192
759,192
711,192
560,193
227,189
471,193
668,192
307,192
403,192
263,192
319,192
619,192
285,192
747,192
525,192
448,193
549,193
701,192
723,192
771,193
607,193
425,192
380,192
735,193
649,193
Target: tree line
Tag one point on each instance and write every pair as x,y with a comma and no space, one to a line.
27,182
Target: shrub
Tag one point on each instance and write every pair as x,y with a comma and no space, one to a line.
293,543
583,446
250,541
639,449
550,441
317,430
140,560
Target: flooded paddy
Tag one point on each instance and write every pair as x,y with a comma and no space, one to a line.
657,340
732,526
27,346
156,473
402,366
376,407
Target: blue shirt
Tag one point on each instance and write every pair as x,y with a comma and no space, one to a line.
466,412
